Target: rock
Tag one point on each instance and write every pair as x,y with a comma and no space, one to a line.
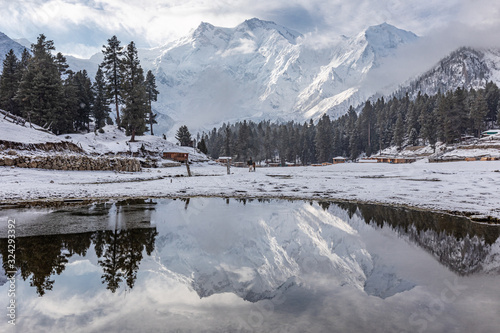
9,162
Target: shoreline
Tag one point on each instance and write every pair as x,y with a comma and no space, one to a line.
464,189
72,202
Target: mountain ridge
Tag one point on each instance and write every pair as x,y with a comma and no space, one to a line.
261,70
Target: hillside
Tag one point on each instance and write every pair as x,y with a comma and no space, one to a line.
464,68
19,140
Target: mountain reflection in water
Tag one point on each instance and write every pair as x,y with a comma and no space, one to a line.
256,250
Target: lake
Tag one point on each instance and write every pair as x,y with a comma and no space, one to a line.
228,265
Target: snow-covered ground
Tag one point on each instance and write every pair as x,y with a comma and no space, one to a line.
470,187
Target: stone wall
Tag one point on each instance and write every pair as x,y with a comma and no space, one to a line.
63,146
71,162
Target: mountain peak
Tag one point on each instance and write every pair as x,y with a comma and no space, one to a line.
202,28
254,24
387,36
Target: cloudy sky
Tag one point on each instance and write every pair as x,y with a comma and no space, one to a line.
81,27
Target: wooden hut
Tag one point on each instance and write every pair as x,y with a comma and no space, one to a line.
395,160
176,155
339,159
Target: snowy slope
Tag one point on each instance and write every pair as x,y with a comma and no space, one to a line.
465,68
24,134
262,70
6,44
340,83
114,141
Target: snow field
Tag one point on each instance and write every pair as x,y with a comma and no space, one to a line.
469,187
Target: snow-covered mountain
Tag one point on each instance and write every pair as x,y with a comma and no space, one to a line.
260,70
6,44
260,255
465,68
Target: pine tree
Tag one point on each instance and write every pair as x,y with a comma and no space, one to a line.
25,58
456,120
399,131
479,112
100,107
227,141
152,94
9,82
111,66
324,139
492,95
367,130
183,136
66,122
243,145
202,146
428,123
133,92
309,144
61,63
498,113
40,92
85,100
284,144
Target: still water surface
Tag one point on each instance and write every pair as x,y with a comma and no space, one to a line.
225,265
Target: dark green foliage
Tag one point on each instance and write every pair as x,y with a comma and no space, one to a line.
397,122
9,82
84,100
111,66
397,139
202,146
152,95
41,88
324,139
183,136
100,108
243,143
478,113
40,94
133,93
492,95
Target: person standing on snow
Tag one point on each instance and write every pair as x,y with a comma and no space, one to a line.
250,164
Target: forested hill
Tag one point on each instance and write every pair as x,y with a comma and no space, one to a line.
426,120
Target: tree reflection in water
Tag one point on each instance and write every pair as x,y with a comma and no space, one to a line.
119,251
456,242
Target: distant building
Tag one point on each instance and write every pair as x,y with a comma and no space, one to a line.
176,155
491,132
339,159
224,160
395,160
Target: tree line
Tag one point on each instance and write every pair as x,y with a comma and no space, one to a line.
41,88
400,122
